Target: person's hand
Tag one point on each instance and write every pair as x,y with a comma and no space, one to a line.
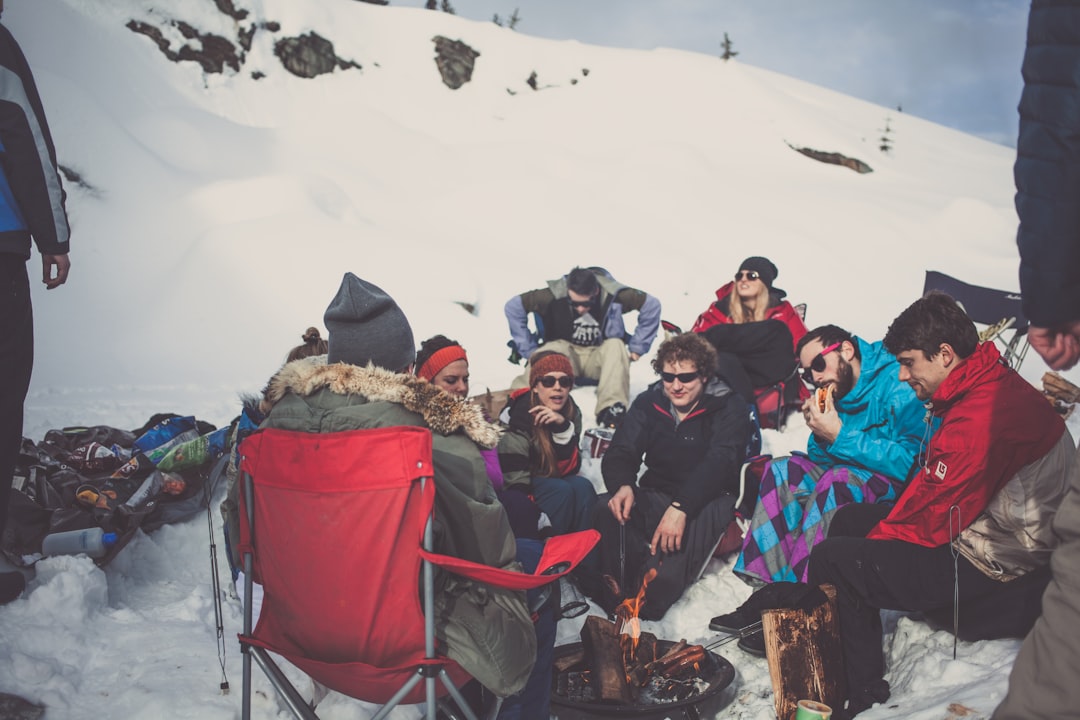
669,533
634,357
60,264
543,415
1058,346
825,424
621,502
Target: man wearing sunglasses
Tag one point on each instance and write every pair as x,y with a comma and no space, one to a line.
968,542
690,430
861,449
580,315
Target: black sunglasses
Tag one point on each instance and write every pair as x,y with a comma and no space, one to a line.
582,303
684,378
748,274
817,364
565,381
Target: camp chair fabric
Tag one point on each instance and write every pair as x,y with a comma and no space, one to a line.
999,310
332,526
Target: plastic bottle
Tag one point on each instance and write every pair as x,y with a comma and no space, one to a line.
94,542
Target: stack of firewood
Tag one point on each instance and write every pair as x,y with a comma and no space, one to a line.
1061,393
618,669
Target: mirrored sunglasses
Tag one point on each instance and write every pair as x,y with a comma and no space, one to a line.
565,381
817,364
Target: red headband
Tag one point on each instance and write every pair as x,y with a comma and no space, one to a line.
440,359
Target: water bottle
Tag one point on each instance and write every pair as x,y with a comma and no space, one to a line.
94,542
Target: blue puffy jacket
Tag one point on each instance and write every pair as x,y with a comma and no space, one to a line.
31,193
883,420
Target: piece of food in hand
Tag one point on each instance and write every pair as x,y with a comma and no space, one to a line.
822,395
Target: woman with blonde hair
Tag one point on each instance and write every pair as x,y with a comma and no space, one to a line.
754,330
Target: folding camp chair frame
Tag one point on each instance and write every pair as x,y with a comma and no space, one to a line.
561,555
292,698
998,310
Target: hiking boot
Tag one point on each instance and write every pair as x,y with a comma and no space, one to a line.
611,416
733,622
754,643
12,585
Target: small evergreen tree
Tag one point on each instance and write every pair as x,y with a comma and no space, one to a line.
511,22
432,5
447,7
885,143
728,52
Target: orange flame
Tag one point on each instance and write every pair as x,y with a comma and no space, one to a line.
628,611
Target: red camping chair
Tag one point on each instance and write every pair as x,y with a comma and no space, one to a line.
336,527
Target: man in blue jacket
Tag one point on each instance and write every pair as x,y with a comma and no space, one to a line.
581,318
31,206
864,442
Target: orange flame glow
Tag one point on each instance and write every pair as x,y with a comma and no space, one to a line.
627,612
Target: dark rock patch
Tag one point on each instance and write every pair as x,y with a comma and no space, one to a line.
310,55
455,61
834,158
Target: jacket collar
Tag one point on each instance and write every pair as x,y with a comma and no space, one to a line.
442,412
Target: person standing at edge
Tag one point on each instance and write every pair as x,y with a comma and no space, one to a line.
31,207
1043,680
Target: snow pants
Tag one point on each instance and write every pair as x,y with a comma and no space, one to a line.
675,571
796,504
875,575
607,363
17,361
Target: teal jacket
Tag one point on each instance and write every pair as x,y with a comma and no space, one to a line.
883,422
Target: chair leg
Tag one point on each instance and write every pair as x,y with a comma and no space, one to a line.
288,693
458,697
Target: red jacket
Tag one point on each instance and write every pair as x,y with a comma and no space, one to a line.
779,309
993,422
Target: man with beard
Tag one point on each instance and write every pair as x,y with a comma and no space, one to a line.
862,449
971,536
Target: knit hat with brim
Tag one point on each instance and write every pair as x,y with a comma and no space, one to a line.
367,326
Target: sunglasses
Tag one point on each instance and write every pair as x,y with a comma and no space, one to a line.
747,275
817,364
564,381
583,303
684,378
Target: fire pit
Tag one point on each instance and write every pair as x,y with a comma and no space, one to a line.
689,695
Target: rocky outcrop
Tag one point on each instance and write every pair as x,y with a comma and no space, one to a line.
310,55
834,158
212,52
455,61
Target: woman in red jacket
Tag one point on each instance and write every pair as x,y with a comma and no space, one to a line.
753,328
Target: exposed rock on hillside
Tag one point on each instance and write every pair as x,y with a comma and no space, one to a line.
212,52
834,158
455,61
309,55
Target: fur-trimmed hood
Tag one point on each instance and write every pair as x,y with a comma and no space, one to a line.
444,413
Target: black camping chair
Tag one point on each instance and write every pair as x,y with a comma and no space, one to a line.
998,310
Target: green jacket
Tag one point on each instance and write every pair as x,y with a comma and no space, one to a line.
487,630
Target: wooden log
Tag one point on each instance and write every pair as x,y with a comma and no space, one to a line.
604,654
570,661
804,656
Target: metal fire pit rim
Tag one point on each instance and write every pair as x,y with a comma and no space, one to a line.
723,667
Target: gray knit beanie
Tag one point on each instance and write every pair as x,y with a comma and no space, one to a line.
366,325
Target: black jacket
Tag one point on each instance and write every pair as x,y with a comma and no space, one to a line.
1047,167
694,461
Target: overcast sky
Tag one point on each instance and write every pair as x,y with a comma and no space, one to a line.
955,62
